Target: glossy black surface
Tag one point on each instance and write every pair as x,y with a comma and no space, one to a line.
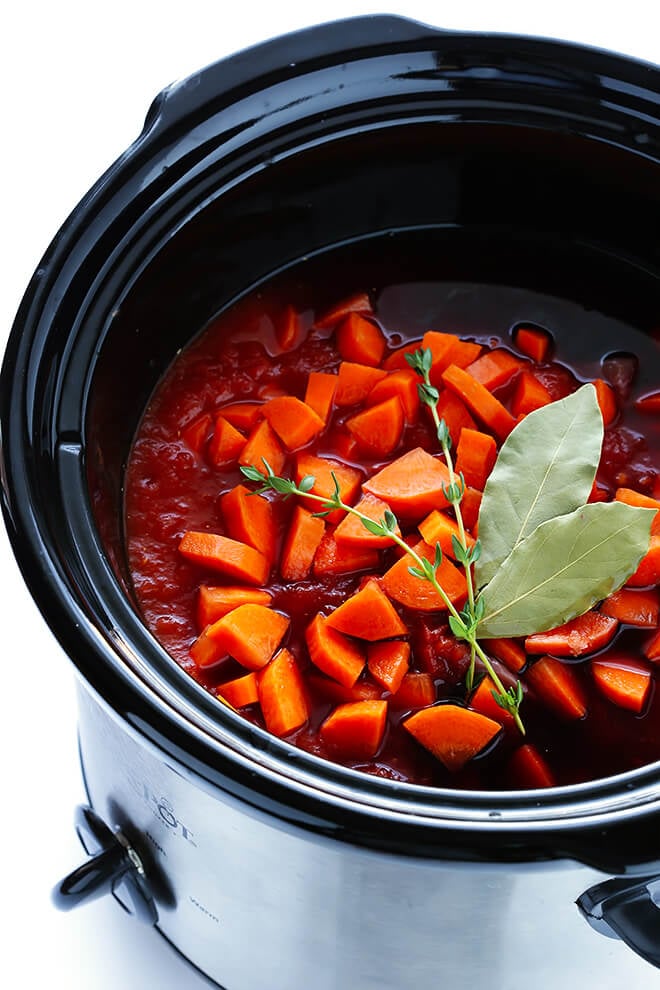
332,135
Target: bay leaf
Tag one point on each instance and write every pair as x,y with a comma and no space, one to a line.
545,468
565,566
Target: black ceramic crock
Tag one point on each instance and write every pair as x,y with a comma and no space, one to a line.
537,162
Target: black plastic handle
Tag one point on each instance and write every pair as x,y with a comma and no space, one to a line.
114,868
629,910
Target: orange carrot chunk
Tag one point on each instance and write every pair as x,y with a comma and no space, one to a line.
342,558
533,342
585,634
622,681
411,591
240,692
322,470
214,602
636,608
388,663
446,349
378,429
479,401
495,368
454,735
320,393
333,653
352,532
529,770
476,454
250,519
651,649
508,651
287,328
440,528
396,360
368,614
631,497
243,415
330,691
360,340
470,505
455,414
355,731
219,553
558,687
412,484
282,695
206,651
403,385
483,700
263,445
648,403
530,394
648,570
359,303
300,545
294,422
226,443
355,381
606,400
196,433
250,634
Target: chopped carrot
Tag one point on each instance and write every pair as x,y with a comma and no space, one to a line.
470,505
196,433
648,569
635,608
439,528
226,443
206,651
598,493
476,454
355,730
329,690
250,519
243,415
359,303
483,700
412,484
294,422
622,681
530,394
333,653
528,768
533,342
479,401
344,445
287,328
214,602
648,403
300,544
322,470
415,691
495,368
446,349
368,614
230,557
651,649
585,634
606,400
360,340
250,634
378,429
508,651
353,533
454,735
455,414
355,381
282,695
240,692
403,385
396,360
342,558
631,497
388,663
263,445
320,393
556,685
418,594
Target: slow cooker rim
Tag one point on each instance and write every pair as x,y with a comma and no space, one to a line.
20,516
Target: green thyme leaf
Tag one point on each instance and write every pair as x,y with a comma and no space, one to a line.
307,483
457,627
251,473
417,572
373,527
545,468
565,567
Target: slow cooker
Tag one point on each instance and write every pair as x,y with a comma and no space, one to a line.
542,158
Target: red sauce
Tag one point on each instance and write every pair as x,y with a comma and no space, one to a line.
172,489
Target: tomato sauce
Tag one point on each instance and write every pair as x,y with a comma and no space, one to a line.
172,487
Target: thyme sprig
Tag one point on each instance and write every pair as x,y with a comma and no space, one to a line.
463,624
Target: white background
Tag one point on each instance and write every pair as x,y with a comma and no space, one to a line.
77,79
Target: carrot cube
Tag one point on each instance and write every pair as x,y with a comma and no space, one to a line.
352,532
294,422
533,342
622,681
355,381
479,401
360,340
412,484
250,519
342,558
378,429
324,472
415,593
263,445
415,691
635,608
230,557
475,456
240,692
585,634
355,730
388,663
250,634
455,414
226,443
282,695
530,394
495,368
606,400
440,528
368,614
300,545
557,686
359,303
333,653
214,602
320,393
454,735
196,433
402,384
528,768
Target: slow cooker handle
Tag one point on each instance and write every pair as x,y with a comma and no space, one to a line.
629,910
114,868
279,57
